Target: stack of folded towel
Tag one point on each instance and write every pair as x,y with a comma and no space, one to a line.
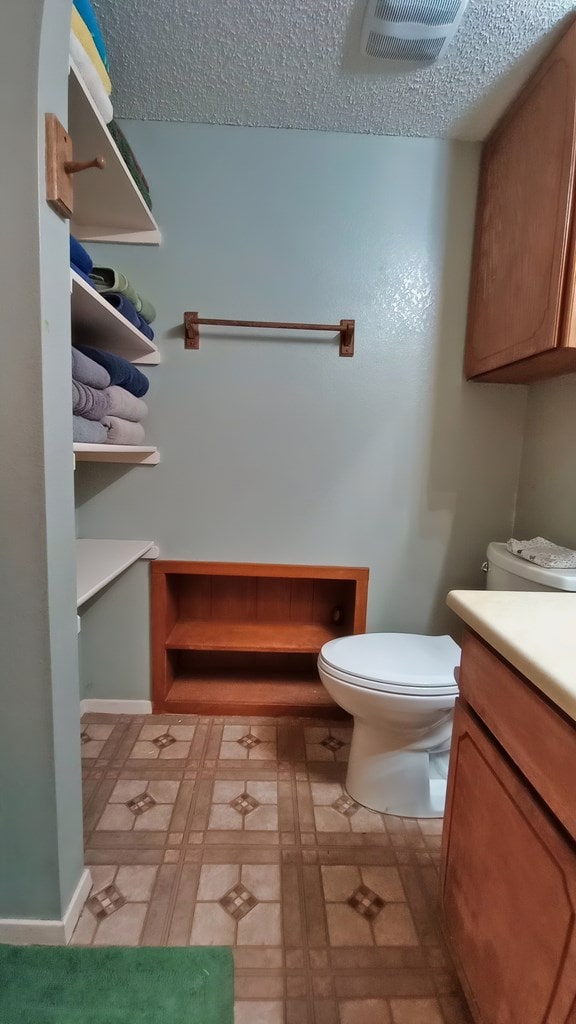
115,288
88,51
106,398
121,293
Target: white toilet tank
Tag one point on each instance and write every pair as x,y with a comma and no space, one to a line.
510,572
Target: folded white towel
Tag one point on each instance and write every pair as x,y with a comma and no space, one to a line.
543,552
91,78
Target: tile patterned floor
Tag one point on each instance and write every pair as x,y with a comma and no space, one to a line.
240,832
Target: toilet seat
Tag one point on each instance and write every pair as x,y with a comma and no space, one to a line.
403,663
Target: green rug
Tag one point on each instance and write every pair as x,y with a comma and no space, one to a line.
116,985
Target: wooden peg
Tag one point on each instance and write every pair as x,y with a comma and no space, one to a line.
73,166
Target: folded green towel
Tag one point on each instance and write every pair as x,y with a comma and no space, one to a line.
107,279
130,161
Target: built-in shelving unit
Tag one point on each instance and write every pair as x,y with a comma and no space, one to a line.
108,207
141,455
107,204
230,638
98,562
96,322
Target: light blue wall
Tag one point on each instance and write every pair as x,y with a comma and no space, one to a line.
547,495
278,450
41,855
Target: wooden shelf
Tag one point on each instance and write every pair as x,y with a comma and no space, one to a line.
236,693
135,454
220,635
96,322
239,638
98,562
108,206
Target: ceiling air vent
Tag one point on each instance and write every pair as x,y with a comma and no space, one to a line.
410,30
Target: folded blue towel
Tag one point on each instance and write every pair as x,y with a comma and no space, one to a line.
123,305
121,371
129,311
79,257
86,12
82,275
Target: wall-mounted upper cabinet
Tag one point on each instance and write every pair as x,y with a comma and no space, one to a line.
521,320
107,204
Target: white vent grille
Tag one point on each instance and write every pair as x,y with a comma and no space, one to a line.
392,48
412,31
433,12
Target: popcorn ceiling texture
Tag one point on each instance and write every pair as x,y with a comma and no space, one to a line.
297,64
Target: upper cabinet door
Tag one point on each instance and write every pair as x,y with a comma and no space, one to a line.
523,222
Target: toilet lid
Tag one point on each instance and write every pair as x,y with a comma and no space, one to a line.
399,660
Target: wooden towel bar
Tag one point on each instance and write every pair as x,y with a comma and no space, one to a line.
345,329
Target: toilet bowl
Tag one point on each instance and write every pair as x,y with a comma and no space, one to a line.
400,689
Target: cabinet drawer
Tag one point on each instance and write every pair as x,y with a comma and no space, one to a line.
538,738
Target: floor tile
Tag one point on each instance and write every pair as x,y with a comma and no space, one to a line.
415,1011
346,928
136,881
364,1011
240,832
123,928
212,926
262,926
259,1012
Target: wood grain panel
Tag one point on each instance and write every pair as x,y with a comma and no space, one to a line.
242,625
539,738
524,219
508,888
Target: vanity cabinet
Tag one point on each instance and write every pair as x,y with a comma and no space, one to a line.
509,850
521,317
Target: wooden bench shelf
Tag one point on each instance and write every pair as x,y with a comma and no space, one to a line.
236,638
218,635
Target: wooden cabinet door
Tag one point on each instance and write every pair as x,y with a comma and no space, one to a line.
523,220
508,888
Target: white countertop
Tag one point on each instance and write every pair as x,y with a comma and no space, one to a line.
535,632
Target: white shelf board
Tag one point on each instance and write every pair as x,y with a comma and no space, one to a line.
96,322
143,455
98,562
107,204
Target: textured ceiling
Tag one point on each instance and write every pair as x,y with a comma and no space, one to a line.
296,64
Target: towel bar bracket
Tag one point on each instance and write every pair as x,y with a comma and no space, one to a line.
192,334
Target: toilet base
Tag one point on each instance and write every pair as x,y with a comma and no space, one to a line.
392,780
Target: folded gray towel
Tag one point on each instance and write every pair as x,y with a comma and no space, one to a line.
88,372
88,431
121,403
123,431
91,403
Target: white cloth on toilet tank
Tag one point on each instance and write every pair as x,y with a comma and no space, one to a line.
543,552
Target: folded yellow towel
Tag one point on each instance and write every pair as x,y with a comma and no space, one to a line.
84,36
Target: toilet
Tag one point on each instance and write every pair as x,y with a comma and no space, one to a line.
400,689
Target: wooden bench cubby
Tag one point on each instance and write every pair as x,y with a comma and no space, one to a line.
237,638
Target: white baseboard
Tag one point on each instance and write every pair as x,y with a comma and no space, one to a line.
117,707
26,931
